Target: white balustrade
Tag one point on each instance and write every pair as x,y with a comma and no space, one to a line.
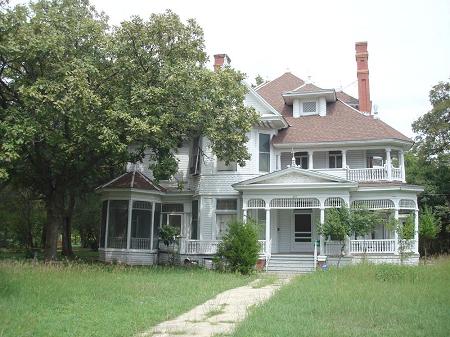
397,173
210,246
372,246
374,174
117,242
333,248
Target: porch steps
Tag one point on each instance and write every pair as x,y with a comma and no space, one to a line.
291,264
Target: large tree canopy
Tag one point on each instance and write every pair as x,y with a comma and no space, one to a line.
75,93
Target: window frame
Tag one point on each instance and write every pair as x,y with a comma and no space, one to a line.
300,155
220,212
335,155
265,153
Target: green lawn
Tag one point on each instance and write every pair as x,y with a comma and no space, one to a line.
81,299
365,300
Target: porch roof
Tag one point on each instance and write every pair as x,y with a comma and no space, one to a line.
295,178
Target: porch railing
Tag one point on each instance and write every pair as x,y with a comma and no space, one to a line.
117,242
333,248
372,246
201,247
140,243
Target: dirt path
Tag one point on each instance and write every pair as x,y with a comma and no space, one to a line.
218,315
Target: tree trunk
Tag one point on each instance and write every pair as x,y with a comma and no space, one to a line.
55,213
67,228
51,233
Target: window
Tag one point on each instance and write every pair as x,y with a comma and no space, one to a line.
221,166
264,152
309,107
141,224
335,159
103,224
226,212
194,166
194,222
375,162
117,224
172,215
301,159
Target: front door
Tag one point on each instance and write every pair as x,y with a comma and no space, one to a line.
301,233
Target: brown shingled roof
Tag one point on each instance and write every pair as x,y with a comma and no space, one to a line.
271,92
342,123
346,98
309,88
134,179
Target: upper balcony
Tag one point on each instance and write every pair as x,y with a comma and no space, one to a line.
361,165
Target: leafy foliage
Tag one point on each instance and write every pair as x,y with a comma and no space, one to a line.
239,249
429,227
168,234
428,164
75,93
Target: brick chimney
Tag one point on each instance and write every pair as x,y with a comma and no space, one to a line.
362,64
221,60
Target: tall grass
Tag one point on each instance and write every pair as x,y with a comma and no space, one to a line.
79,299
363,300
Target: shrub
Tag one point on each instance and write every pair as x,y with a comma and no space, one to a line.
239,249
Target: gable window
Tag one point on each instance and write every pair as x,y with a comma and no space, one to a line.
221,166
264,152
226,212
309,107
194,166
335,159
301,159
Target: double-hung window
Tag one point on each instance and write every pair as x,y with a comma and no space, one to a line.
335,159
226,212
301,159
194,167
264,152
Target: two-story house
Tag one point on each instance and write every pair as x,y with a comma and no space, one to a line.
312,149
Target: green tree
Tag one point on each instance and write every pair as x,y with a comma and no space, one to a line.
239,249
429,227
258,81
342,222
428,164
75,93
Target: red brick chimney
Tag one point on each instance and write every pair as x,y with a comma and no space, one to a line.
362,59
221,60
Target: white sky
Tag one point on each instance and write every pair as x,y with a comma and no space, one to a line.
408,41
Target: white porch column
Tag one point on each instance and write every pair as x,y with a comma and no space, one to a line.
310,160
389,163
322,239
402,164
344,158
279,161
107,225
153,222
130,213
244,215
268,248
416,231
395,232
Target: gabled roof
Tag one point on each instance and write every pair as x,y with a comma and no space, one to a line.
133,179
271,91
309,88
294,177
346,98
342,123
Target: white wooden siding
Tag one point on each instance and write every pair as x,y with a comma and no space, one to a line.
284,234
356,159
205,215
320,159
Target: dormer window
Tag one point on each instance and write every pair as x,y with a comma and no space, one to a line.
309,107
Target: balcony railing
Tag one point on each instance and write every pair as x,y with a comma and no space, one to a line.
365,174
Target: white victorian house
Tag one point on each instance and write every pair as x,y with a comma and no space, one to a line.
313,149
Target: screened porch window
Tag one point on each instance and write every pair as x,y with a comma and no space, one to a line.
226,212
103,224
259,216
301,159
118,224
264,152
156,225
335,159
141,224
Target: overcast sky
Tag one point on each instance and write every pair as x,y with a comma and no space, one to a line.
408,41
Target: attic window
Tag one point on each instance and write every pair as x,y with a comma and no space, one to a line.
309,107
